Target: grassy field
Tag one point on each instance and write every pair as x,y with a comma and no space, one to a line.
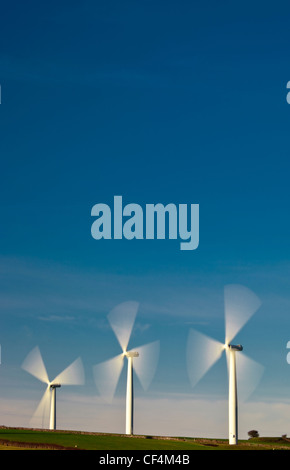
19,438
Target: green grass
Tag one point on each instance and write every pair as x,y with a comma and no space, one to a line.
28,438
93,441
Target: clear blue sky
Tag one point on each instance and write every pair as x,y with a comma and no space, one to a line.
181,102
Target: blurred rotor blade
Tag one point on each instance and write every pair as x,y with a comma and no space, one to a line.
122,319
202,353
106,375
35,365
40,418
72,375
240,304
146,364
249,374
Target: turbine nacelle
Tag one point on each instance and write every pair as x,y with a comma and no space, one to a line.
129,354
233,347
52,385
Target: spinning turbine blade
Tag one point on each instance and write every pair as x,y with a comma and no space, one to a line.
202,353
41,414
122,319
249,374
145,365
35,365
240,304
72,375
106,375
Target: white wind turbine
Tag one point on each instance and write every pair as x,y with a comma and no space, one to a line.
240,304
142,359
72,375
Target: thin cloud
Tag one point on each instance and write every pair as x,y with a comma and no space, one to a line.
45,71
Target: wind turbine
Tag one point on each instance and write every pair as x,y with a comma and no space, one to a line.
72,375
240,303
143,360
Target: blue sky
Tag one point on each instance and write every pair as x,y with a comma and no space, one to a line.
182,103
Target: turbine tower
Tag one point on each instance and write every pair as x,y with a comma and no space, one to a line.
130,392
240,304
72,375
52,419
143,360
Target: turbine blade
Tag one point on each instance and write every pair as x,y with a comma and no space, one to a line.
122,319
106,375
40,418
202,353
146,364
240,304
35,365
72,375
249,374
